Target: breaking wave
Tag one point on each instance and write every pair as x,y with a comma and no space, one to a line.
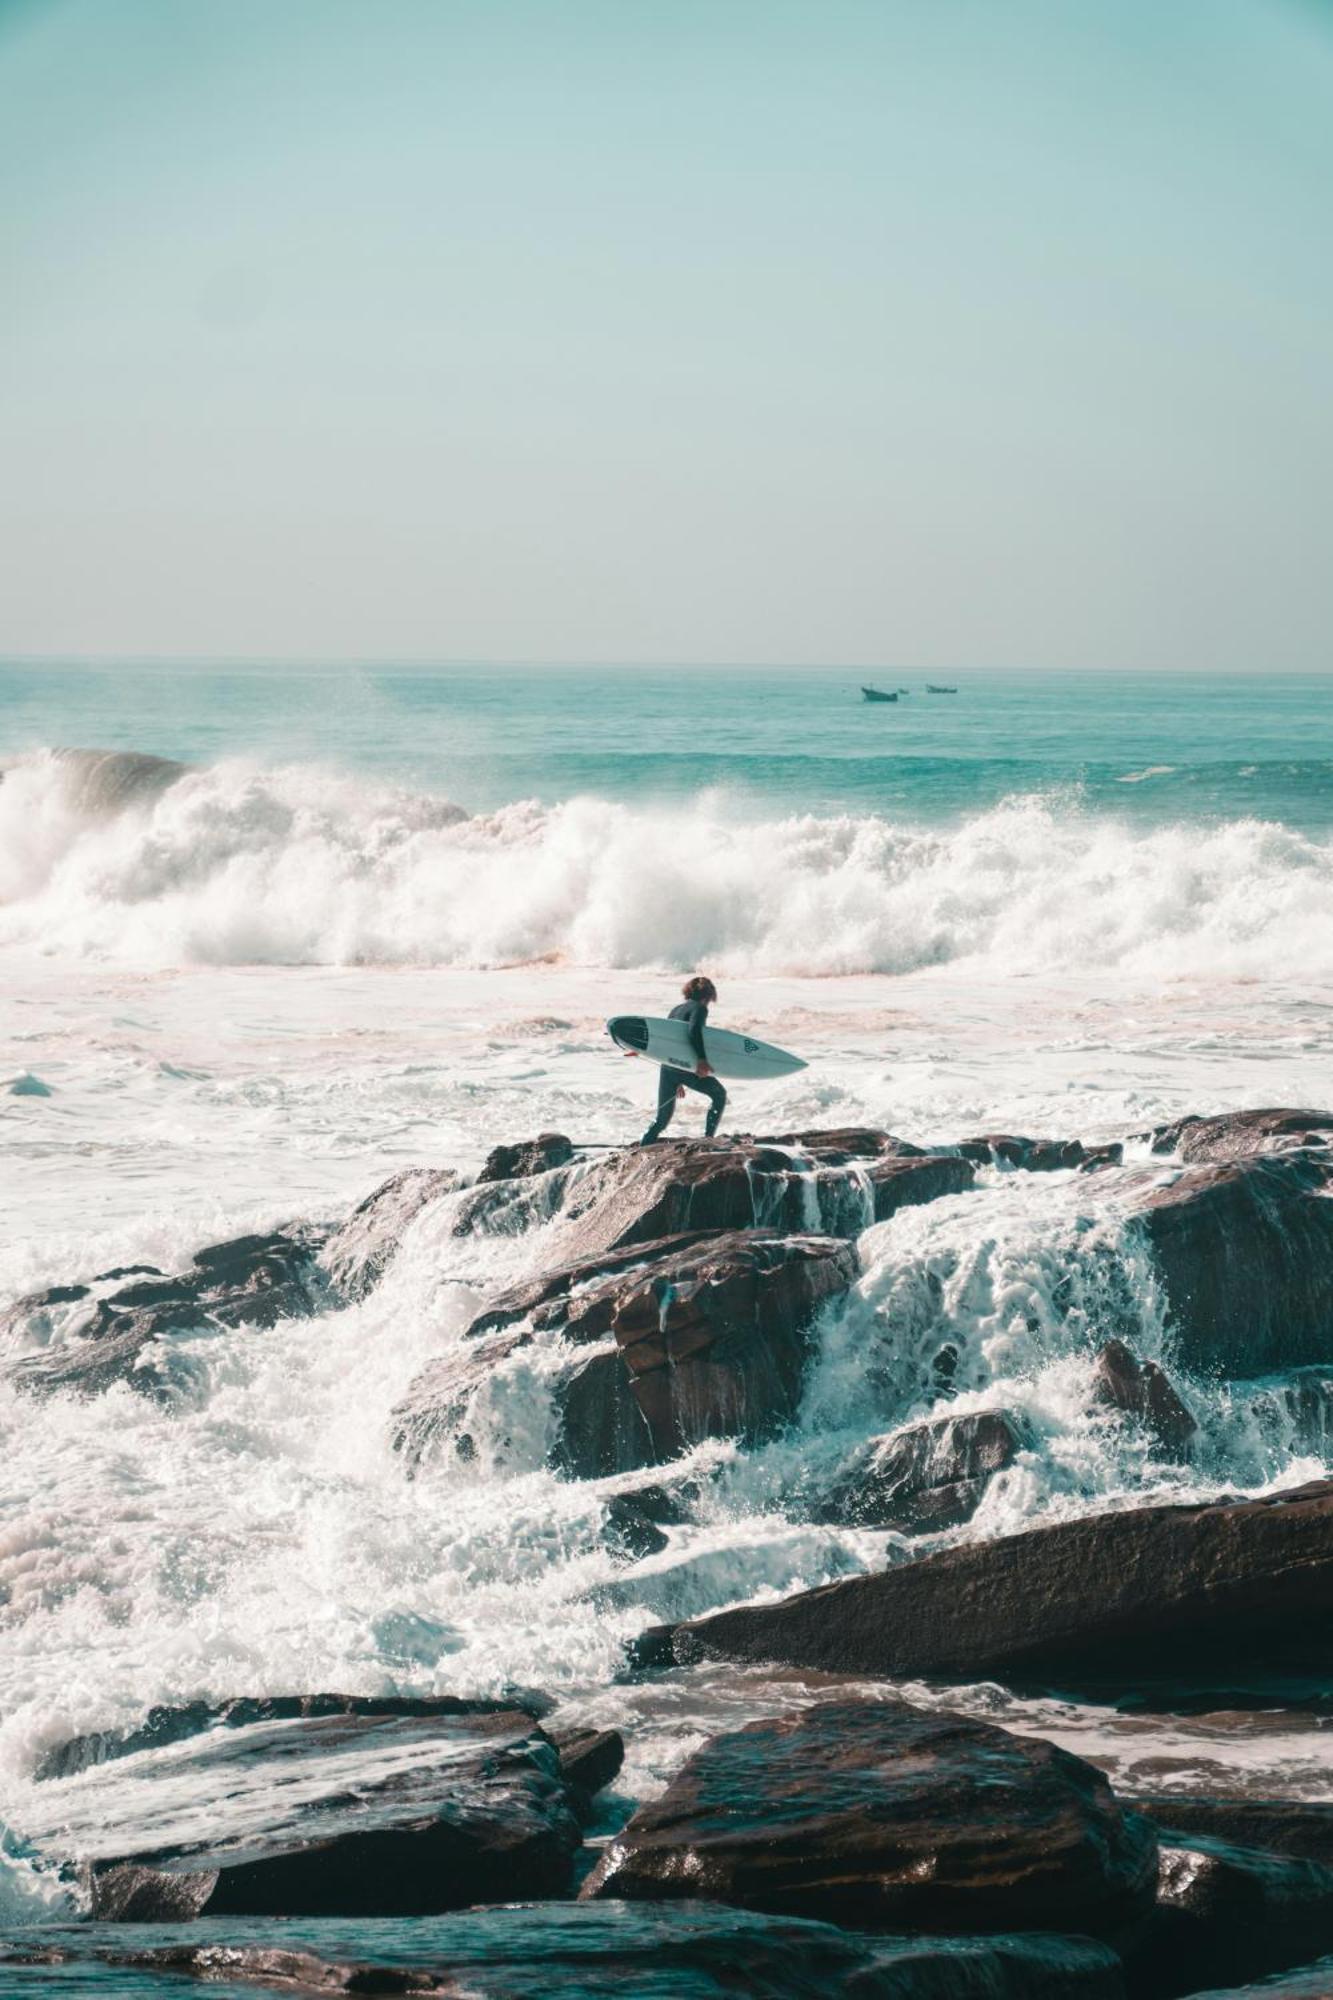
136,859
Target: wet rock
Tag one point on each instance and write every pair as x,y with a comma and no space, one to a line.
629,1532
1227,1912
1038,1156
509,1207
932,1475
1310,1982
876,1814
1302,1398
1132,1594
1239,1135
163,1724
1281,1826
1244,1253
334,1814
139,1333
1143,1390
357,1255
527,1156
839,1145
590,1760
705,1338
663,1951
725,1185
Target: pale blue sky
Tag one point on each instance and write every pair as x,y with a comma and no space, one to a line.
938,332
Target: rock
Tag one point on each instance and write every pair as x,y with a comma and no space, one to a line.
629,1532
1302,1398
1239,1135
1281,1826
1143,1390
650,1192
527,1156
1147,1590
1227,1912
875,1814
931,1475
839,1145
590,1758
1244,1253
1038,1156
338,1814
357,1255
623,1951
93,1339
163,1725
705,1337
1310,1982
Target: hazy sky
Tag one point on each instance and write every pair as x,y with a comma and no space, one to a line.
921,331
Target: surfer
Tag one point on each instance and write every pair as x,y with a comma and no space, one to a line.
699,995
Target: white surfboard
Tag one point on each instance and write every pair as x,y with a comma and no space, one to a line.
669,1042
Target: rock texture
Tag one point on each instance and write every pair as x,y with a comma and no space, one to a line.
1229,1912
335,1814
872,1813
1149,1590
358,1253
526,1156
1238,1135
1038,1156
1143,1390
1279,1826
929,1476
1244,1252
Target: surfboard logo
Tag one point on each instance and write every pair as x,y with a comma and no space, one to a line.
750,1046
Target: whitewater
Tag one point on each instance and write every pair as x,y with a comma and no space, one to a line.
243,985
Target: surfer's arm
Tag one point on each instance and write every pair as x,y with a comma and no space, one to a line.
694,1027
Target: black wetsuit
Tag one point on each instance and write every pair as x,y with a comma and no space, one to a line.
694,1013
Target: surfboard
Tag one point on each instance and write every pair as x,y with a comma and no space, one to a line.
669,1042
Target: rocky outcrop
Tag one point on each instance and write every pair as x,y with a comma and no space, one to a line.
1038,1156
1279,1826
141,1333
623,1951
1152,1590
1140,1389
1239,1135
1244,1253
358,1253
705,1337
340,1814
931,1475
526,1156
650,1192
876,1814
1227,1912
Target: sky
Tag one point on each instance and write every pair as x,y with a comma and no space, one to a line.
933,332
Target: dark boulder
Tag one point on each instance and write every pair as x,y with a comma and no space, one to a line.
1141,1389
1238,1135
526,1156
1244,1253
709,1337
163,1725
879,1815
590,1760
931,1475
357,1255
338,1814
622,1951
1281,1826
1227,1912
1038,1156
140,1333
1141,1592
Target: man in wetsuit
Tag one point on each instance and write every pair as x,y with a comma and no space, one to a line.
693,1010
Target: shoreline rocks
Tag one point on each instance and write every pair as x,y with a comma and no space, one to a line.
929,1476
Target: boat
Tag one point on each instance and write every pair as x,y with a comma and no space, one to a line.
931,689
877,694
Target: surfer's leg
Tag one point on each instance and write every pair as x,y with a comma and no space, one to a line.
717,1097
668,1083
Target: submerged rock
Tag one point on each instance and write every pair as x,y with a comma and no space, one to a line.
336,1814
703,1338
625,1951
872,1813
1143,1390
1239,1135
1136,1593
1226,1912
931,1475
139,1333
357,1255
1244,1253
1038,1156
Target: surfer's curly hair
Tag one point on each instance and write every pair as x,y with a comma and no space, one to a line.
700,987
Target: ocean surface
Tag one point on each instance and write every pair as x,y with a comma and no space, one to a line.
362,918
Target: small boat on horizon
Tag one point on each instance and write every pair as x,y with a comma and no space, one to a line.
932,689
877,694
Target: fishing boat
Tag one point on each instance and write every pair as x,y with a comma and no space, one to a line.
877,694
931,689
